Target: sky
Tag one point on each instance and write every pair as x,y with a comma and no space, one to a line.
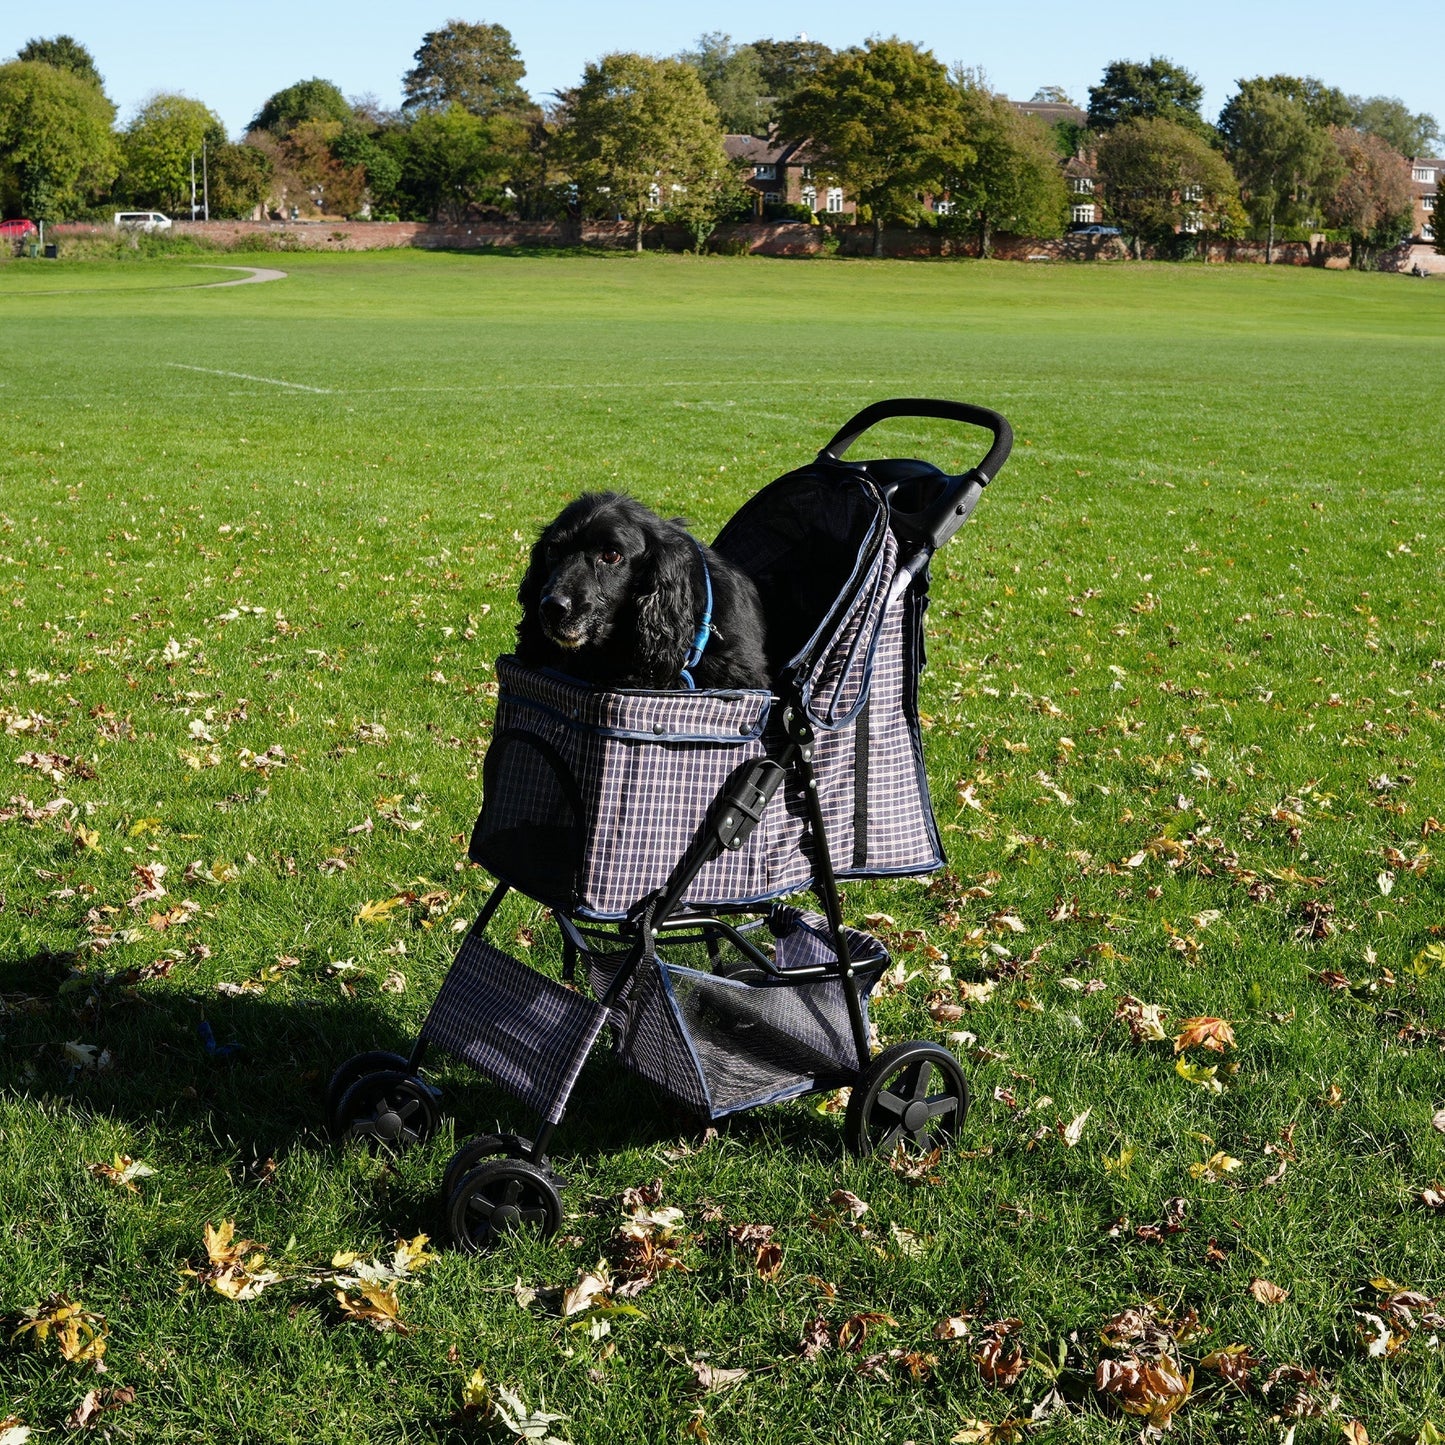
233,57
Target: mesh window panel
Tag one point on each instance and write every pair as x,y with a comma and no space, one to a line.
518,1028
654,1047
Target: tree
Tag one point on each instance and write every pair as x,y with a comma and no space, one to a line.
1052,95
1373,201
307,100
1160,178
455,161
1285,163
732,75
1389,118
1325,104
240,178
886,123
635,129
786,65
361,145
64,52
1159,90
474,66
1013,181
56,146
157,147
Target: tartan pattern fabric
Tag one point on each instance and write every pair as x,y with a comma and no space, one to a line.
526,1033
837,682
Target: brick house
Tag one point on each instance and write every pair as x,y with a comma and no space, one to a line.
780,173
1079,170
1426,175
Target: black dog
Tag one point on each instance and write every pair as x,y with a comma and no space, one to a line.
615,596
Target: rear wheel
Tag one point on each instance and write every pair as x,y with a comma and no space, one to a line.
913,1094
388,1110
483,1146
500,1197
348,1073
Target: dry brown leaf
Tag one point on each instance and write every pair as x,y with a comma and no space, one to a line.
95,1403
230,1272
856,1328
1438,1122
984,1432
999,1365
817,1337
955,1327
1204,1032
1267,1293
375,1306
1072,1132
711,1380
588,1289
1354,1433
1154,1388
122,1172
1233,1362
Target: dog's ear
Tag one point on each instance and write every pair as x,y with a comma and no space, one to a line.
665,621
531,643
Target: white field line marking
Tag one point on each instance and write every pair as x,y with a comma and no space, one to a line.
244,376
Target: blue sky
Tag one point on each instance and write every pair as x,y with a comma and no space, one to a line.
233,56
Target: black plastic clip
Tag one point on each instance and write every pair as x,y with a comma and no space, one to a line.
742,806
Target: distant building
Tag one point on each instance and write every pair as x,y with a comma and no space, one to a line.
781,173
1425,177
1051,112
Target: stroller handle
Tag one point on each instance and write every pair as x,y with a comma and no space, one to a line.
939,515
870,416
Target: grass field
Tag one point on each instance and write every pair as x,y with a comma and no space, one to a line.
1184,736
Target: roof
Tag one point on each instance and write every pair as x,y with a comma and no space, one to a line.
757,150
1051,111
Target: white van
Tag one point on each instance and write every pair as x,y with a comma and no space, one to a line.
141,221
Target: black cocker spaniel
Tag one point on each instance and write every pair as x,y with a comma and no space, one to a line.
615,596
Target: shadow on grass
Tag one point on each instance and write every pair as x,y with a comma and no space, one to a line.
247,1076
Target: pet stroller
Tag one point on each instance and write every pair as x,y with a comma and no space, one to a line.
664,829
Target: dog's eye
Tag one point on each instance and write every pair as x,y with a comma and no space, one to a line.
611,556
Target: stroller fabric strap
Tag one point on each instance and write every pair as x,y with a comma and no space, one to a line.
704,627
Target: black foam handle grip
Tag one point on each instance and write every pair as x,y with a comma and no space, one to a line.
981,416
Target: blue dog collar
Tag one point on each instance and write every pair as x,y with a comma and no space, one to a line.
704,628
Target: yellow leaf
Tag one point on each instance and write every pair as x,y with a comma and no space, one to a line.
378,911
1121,1164
142,826
1205,1032
79,1334
87,837
476,1393
1214,1168
377,1306
1199,1074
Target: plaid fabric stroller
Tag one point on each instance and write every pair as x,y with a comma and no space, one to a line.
663,829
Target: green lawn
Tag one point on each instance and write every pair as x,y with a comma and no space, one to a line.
1184,708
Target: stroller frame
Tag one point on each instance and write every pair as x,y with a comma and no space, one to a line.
498,1182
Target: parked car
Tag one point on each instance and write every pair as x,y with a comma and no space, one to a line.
17,230
142,221
1095,231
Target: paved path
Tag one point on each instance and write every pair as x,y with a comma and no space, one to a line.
254,274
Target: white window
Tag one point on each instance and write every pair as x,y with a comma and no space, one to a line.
1427,233
1192,193
1193,222
1423,173
765,173
943,208
835,199
1083,215
771,198
1083,186
654,195
807,173
810,197
1427,203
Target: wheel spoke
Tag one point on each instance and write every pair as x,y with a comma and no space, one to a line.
886,1143
946,1104
513,1192
533,1216
406,1108
922,1078
890,1103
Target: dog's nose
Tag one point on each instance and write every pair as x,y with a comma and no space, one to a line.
556,607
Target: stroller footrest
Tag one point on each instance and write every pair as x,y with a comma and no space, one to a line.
522,1030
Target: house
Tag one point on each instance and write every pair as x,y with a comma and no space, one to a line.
1052,112
1426,174
779,173
1082,176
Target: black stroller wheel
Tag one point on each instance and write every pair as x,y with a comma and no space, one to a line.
913,1094
483,1146
499,1197
349,1072
388,1110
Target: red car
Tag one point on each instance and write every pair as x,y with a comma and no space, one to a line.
17,230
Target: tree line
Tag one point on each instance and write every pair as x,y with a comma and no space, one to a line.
911,140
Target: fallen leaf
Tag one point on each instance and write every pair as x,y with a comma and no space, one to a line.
12,1432
1199,1074
1233,1362
123,1171
1353,1431
1215,1167
510,1411
998,1365
79,1334
1267,1293
95,1402
711,1380
378,911
817,1337
588,1289
1074,1131
1204,1032
376,1306
1438,1122
1143,1387
984,1432
856,1328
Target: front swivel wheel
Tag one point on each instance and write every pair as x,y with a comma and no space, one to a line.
499,1197
388,1110
913,1094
